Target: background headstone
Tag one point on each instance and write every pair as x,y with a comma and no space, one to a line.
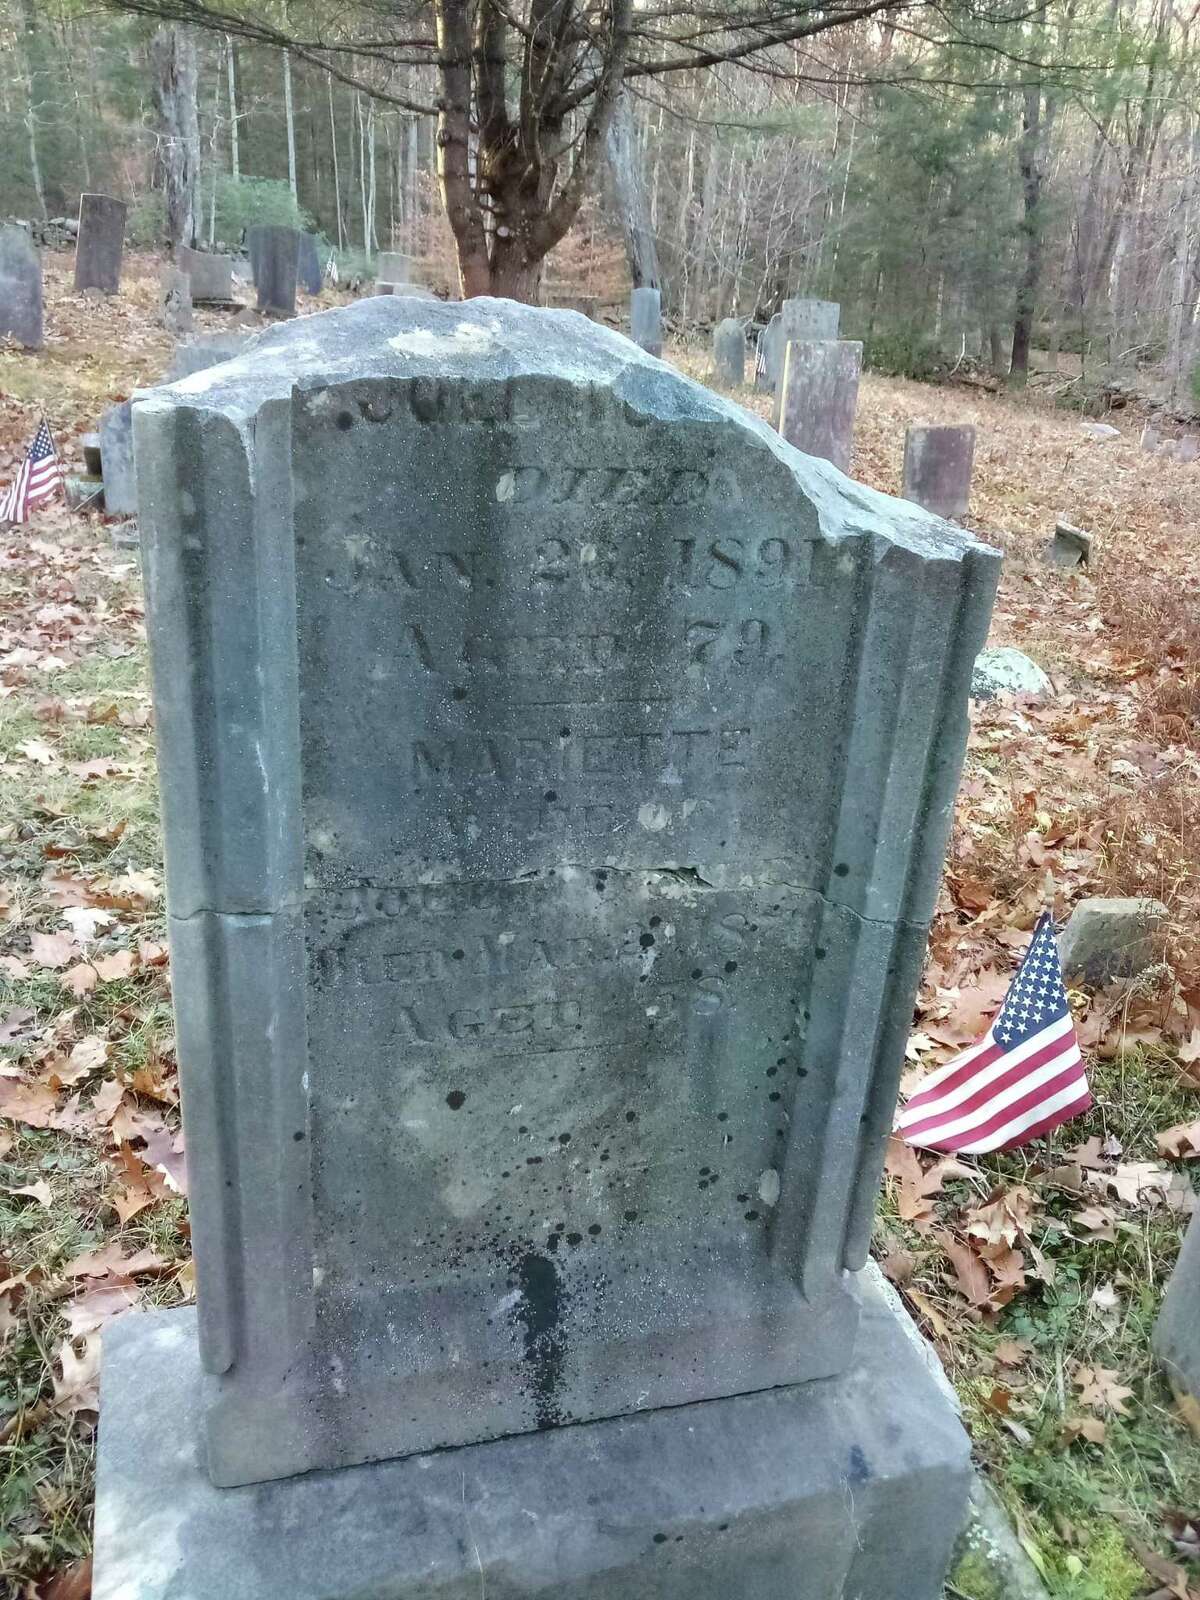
275,271
116,460
1007,671
100,243
729,352
21,309
1109,937
208,351
391,266
414,291
937,467
308,264
450,596
810,319
1070,546
818,397
211,276
254,245
175,289
768,360
645,320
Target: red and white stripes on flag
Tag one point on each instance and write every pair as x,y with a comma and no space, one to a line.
39,477
1022,1079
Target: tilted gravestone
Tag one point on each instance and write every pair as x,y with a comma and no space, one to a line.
211,276
308,263
21,306
275,257
818,397
556,770
100,243
937,467
116,461
729,352
645,319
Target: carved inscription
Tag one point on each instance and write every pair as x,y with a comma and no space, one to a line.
677,752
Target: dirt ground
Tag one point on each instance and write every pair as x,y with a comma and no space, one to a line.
1036,1274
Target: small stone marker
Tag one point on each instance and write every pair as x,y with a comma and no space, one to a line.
645,320
393,267
100,243
116,461
210,276
21,310
1111,937
208,351
1151,438
818,397
275,270
308,263
1188,447
1070,546
1176,1337
937,467
555,807
805,320
1007,671
175,288
729,352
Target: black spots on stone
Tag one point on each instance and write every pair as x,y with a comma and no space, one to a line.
564,733
774,1096
656,922
722,1116
631,1216
595,1230
820,952
533,1161
564,1138
458,692
631,1116
752,1216
697,972
660,1538
841,870
731,966
298,1136
574,1238
742,1199
550,794
859,1470
646,940
456,1099
344,420
541,1304
772,1072
601,882
458,954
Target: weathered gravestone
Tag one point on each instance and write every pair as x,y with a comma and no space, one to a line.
195,355
937,467
810,319
556,772
729,352
768,358
175,291
391,266
274,258
20,288
1176,1337
100,243
645,319
211,276
116,461
308,263
818,397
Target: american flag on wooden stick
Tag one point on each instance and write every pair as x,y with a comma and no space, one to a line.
1022,1079
39,478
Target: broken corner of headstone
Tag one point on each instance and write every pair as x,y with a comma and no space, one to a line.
556,773
1070,546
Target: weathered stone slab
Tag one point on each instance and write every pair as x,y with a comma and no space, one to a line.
1007,671
211,276
1176,1337
818,398
116,459
1111,937
308,263
1070,546
274,257
391,266
556,770
21,312
100,243
89,443
175,290
937,467
208,351
729,352
645,320
805,319
768,358
854,1486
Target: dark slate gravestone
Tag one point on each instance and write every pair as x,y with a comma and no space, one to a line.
211,276
768,361
20,288
275,270
100,243
937,467
818,397
175,288
116,461
556,770
308,263
729,352
645,320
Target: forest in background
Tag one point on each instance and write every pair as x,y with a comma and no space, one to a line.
965,193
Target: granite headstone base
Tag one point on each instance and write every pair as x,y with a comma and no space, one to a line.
848,1486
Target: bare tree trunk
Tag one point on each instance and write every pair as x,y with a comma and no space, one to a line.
632,200
291,123
337,186
25,34
235,165
173,55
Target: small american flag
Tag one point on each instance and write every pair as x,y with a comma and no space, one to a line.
1022,1079
39,478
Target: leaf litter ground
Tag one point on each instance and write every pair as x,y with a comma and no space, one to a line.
1037,1274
